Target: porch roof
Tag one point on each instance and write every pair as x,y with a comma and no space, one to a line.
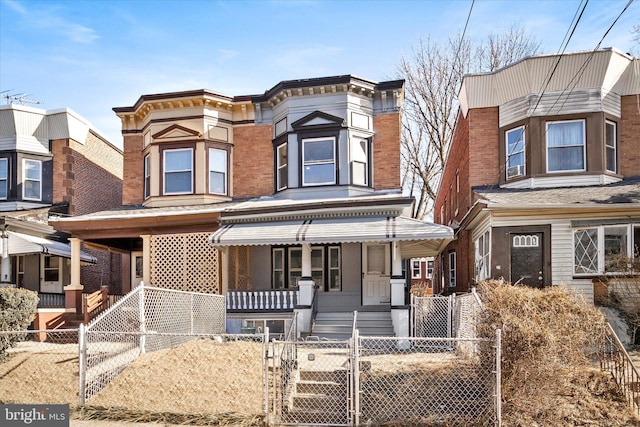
22,244
416,238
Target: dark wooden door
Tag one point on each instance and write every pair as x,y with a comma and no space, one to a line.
527,259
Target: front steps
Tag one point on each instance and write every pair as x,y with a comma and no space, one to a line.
339,325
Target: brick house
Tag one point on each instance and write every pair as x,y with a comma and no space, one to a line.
541,180
300,187
53,162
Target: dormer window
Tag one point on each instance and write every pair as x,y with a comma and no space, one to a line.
178,171
31,179
217,171
319,161
515,152
566,146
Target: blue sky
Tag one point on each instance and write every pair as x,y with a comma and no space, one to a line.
92,56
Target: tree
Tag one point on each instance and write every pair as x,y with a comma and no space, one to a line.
433,74
635,38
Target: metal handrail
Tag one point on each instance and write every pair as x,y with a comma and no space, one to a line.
615,359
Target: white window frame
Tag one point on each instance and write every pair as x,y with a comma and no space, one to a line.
413,269
25,179
508,155
224,172
4,180
282,168
613,147
278,268
429,269
583,145
147,176
601,231
164,171
483,256
365,163
330,250
452,269
320,162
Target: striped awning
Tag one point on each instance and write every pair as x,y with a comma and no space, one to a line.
416,238
23,244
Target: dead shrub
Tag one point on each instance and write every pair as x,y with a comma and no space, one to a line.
549,344
421,289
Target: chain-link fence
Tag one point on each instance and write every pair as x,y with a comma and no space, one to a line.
144,321
40,367
432,316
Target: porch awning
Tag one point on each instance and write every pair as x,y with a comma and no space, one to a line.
22,244
416,238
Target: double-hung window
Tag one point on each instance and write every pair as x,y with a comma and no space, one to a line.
147,176
566,146
360,163
483,253
31,179
319,161
217,171
611,146
178,171
416,269
282,167
4,178
452,269
515,152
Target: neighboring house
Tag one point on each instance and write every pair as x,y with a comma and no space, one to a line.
420,271
542,180
302,184
53,162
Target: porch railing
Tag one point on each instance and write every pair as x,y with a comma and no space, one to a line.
271,300
50,300
615,359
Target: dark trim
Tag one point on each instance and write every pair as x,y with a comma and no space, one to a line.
398,277
306,278
222,146
328,133
177,146
277,143
299,124
400,307
173,127
605,222
167,96
301,307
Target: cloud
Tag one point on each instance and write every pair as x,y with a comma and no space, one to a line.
15,6
226,54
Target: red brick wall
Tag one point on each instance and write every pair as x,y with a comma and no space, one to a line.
252,161
106,272
484,146
132,169
386,151
629,134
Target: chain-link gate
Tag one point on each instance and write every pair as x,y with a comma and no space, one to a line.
385,381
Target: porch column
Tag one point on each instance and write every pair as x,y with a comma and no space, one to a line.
5,269
224,282
73,291
306,292
397,280
146,259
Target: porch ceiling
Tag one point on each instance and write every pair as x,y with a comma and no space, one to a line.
416,238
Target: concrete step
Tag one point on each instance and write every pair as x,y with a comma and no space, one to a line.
320,387
313,402
337,376
315,417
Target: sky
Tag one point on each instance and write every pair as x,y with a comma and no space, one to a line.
93,55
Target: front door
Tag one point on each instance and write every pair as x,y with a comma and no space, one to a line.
526,259
51,270
136,269
376,274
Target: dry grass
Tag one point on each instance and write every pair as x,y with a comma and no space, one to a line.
201,377
549,341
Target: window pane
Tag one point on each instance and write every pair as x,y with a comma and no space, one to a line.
51,262
32,169
282,155
217,160
178,182
317,259
565,134
3,188
585,244
321,150
375,259
615,249
571,158
636,241
283,178
216,183
611,159
515,160
319,174
359,173
334,257
295,258
31,189
334,279
179,160
51,275
3,168
515,141
278,279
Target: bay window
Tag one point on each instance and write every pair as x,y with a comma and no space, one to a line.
31,179
147,176
282,167
566,146
360,162
178,171
217,171
606,249
515,145
319,161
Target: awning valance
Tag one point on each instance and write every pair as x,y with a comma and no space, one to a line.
22,244
416,238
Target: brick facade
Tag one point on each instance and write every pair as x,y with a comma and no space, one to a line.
133,170
629,136
484,146
386,151
252,171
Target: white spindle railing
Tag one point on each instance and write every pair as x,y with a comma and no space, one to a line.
262,300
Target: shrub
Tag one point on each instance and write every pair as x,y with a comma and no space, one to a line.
550,341
17,311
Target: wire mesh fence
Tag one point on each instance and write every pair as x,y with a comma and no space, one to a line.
39,367
432,316
144,321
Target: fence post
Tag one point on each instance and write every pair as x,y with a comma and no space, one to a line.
450,316
412,332
191,313
143,326
498,377
265,351
82,362
355,340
